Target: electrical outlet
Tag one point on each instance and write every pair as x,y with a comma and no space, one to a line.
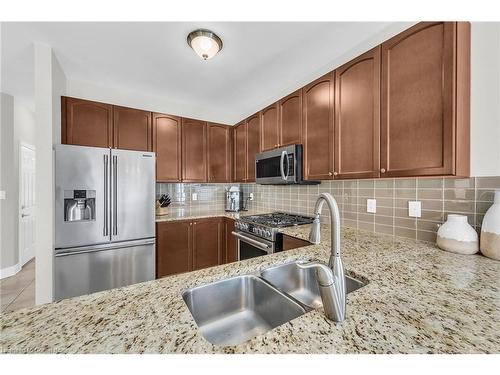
414,208
371,206
2,194
194,197
251,196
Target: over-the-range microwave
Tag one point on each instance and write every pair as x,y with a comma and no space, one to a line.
281,166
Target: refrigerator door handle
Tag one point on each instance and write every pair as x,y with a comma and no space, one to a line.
105,230
115,192
104,247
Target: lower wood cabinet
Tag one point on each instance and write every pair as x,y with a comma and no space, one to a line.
290,242
189,245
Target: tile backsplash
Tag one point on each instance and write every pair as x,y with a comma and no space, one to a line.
439,196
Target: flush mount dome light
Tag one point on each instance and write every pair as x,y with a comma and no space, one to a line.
205,43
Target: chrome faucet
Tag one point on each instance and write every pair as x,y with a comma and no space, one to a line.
331,278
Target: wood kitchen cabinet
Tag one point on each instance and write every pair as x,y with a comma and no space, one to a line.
174,243
317,126
269,127
240,152
290,243
230,249
253,145
132,129
86,123
207,243
290,119
357,117
167,146
194,150
425,101
188,245
219,152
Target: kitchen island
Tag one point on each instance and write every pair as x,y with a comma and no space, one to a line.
418,299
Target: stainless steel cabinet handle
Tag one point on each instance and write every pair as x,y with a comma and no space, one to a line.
106,192
115,192
251,241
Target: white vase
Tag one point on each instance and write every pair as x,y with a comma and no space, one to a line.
490,230
457,236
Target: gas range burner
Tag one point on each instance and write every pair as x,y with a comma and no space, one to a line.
278,219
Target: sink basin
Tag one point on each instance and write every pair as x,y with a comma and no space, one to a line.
301,283
231,311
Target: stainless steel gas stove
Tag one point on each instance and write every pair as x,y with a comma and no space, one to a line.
259,234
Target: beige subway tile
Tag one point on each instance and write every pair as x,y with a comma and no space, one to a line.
459,206
386,211
385,220
459,183
430,194
406,183
405,193
488,182
384,229
366,184
369,218
401,203
431,226
366,226
385,202
350,215
429,183
459,194
405,232
370,193
403,222
350,207
350,184
482,207
485,195
433,205
401,212
384,184
423,235
432,215
350,223
384,193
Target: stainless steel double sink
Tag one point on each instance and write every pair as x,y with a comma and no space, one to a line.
234,310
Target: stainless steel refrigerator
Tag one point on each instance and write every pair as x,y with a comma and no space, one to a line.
104,219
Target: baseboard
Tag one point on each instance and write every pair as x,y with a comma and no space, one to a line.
10,271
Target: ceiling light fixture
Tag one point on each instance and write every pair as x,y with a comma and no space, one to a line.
205,43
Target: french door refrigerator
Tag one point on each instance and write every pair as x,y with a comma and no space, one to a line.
104,219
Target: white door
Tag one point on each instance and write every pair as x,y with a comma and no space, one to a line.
26,203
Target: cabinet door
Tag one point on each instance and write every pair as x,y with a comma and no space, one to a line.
207,243
269,127
290,119
357,117
240,152
317,123
219,153
417,101
194,150
173,247
86,123
167,146
132,129
253,145
231,254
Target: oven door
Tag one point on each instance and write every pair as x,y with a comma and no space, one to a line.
277,166
250,246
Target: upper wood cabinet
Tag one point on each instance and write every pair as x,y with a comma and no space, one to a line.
194,150
290,119
173,247
167,146
357,117
208,243
253,144
317,124
269,127
219,153
86,123
240,152
132,129
425,101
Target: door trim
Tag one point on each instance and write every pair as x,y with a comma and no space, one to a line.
20,263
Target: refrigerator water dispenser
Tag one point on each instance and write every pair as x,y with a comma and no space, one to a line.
79,205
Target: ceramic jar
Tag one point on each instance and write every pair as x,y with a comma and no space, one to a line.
490,230
457,236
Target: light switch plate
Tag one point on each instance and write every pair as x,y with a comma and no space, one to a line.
371,206
251,196
414,208
195,196
2,194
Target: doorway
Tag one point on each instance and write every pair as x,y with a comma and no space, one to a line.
27,202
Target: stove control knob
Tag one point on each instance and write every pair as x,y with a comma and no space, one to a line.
259,231
267,233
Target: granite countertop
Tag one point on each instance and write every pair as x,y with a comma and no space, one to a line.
419,299
179,213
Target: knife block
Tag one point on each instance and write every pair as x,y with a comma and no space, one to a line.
161,211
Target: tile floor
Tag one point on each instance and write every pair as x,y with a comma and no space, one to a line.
18,291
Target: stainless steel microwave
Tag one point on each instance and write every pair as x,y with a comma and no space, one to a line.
280,166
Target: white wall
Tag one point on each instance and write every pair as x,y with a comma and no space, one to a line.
50,84
485,99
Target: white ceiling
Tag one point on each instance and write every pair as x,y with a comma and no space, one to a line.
260,62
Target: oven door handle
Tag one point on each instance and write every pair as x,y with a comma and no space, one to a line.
251,241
